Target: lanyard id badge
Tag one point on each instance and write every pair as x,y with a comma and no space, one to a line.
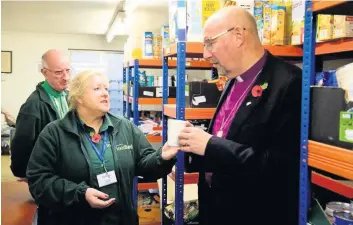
105,178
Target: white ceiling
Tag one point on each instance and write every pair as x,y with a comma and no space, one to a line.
71,17
74,17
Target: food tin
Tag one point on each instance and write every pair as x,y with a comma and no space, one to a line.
330,79
336,207
343,218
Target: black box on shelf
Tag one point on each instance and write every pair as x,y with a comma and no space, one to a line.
326,105
145,92
200,94
171,92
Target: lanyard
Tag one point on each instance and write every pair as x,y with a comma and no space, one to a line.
100,154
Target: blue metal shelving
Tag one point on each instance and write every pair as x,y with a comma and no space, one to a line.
309,68
128,71
164,130
124,82
180,107
180,111
127,78
308,71
135,114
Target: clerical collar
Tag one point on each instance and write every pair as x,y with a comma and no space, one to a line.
253,70
239,79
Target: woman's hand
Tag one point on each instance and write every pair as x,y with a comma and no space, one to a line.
98,199
169,152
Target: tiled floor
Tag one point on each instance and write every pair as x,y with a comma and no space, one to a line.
17,204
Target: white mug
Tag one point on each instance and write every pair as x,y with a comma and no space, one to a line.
174,129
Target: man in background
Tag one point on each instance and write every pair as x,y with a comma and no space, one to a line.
46,104
251,154
7,129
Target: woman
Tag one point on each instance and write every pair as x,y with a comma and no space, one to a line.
82,167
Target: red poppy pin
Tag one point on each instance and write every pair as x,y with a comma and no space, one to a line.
258,89
96,138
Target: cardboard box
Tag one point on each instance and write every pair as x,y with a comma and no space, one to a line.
197,14
278,22
342,26
165,36
148,45
171,92
324,28
267,11
145,92
288,27
246,4
346,127
258,14
298,11
157,45
148,208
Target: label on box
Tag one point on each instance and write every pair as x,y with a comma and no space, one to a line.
199,99
346,127
159,92
148,93
181,20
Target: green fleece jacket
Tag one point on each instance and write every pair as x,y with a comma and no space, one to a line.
60,171
33,116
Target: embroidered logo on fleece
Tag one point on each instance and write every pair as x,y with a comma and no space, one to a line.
124,147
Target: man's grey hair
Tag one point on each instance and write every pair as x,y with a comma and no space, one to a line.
44,61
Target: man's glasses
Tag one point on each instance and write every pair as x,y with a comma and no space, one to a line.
59,72
208,42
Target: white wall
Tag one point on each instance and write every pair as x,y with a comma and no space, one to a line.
27,49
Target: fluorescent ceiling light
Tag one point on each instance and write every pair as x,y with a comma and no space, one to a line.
117,28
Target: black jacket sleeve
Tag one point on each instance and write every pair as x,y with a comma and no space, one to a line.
46,187
28,128
282,141
149,161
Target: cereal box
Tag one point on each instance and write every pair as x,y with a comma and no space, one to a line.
148,45
258,12
324,27
197,14
342,26
298,11
278,21
267,10
246,4
165,35
157,45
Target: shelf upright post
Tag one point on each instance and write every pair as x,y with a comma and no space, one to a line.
308,71
128,78
136,92
164,130
136,117
214,73
180,108
124,83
